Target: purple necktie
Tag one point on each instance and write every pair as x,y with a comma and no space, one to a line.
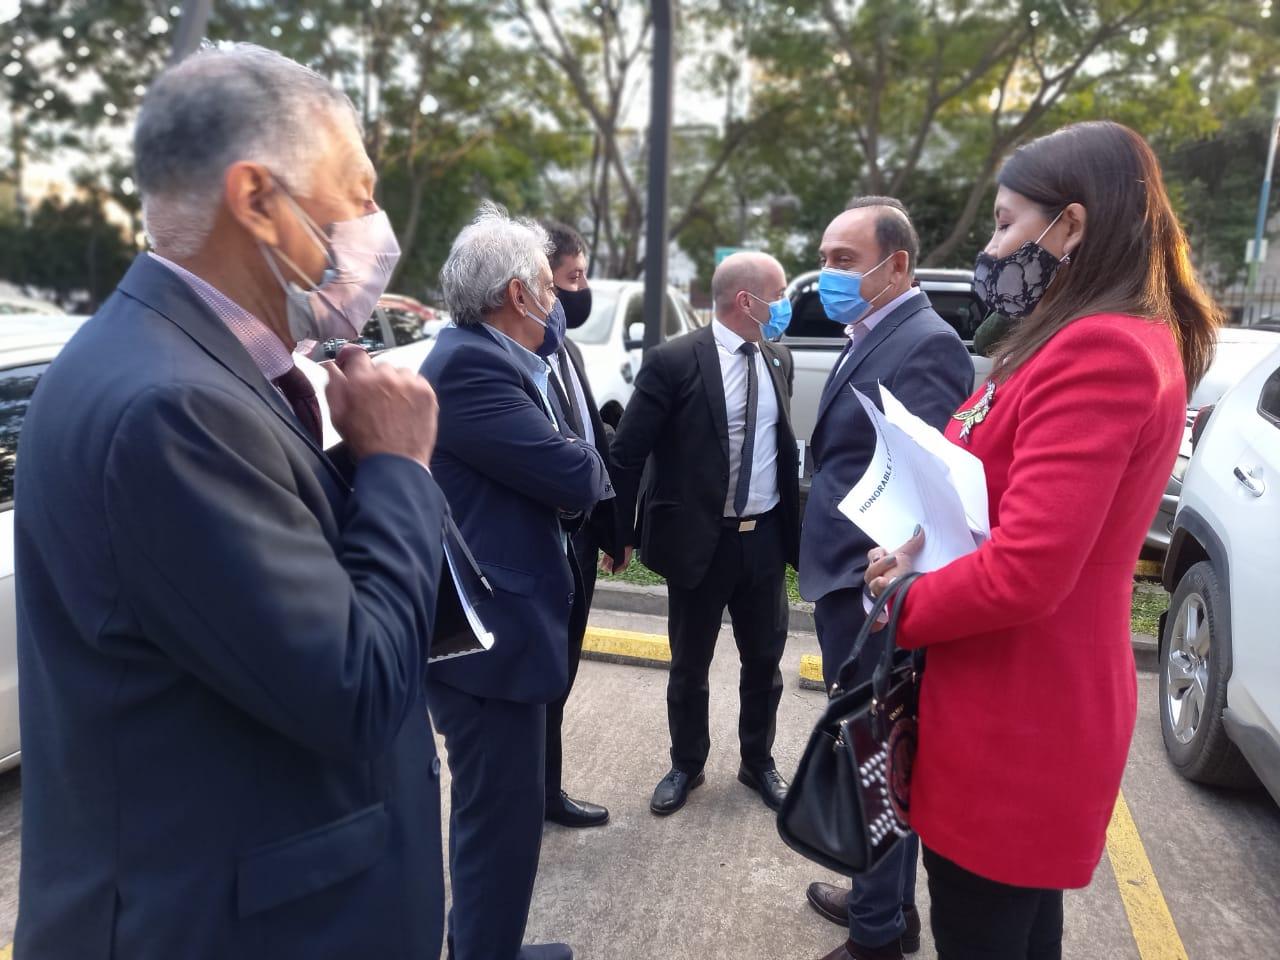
297,389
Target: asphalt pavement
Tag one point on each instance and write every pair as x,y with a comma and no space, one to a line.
715,880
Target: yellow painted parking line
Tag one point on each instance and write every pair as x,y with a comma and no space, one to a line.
1149,918
626,646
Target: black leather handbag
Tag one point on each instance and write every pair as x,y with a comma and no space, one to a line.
849,803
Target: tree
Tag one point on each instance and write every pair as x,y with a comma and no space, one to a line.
922,90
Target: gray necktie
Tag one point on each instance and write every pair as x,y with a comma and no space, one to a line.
571,395
748,349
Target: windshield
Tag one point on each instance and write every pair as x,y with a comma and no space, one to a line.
604,306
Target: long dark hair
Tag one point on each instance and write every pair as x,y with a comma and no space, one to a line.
1134,258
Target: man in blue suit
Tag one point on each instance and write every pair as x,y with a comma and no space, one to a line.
221,641
519,481
868,255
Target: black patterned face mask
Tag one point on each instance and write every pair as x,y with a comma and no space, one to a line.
1014,285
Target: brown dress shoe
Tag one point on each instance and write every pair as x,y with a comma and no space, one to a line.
856,951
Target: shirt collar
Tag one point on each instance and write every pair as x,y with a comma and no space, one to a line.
268,353
870,321
526,359
726,337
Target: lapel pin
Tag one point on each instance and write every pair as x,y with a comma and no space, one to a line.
777,362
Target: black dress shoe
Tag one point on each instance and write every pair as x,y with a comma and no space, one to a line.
569,812
911,938
830,901
768,783
856,951
673,790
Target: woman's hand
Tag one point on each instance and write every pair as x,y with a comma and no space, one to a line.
887,566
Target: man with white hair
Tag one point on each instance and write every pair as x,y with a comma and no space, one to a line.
222,640
711,417
519,481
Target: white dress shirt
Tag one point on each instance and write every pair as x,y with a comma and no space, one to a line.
860,329
577,396
763,495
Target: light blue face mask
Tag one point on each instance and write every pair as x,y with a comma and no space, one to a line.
841,292
779,317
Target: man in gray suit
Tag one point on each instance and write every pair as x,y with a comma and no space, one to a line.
868,255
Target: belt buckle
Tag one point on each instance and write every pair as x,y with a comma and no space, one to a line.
746,526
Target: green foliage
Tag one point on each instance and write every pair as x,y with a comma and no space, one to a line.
68,249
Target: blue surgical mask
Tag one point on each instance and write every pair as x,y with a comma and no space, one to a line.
554,325
779,317
841,292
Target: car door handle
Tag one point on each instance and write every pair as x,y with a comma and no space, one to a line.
1251,483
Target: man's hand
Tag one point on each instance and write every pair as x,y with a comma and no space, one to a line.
381,409
611,566
886,566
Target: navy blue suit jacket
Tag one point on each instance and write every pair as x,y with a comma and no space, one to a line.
924,363
221,648
508,473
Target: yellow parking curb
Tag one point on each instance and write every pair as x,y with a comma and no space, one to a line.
1148,570
625,646
1144,904
811,672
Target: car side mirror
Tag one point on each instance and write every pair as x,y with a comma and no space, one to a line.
635,336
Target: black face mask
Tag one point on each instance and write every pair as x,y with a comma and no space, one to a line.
577,305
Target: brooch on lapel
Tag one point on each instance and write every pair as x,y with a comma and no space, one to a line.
777,362
977,413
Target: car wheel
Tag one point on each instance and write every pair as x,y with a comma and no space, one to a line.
1195,664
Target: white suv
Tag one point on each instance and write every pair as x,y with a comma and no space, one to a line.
1220,639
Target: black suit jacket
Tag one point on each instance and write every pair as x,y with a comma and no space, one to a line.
221,646
601,529
677,421
921,359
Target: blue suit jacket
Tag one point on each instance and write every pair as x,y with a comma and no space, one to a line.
508,473
221,647
923,362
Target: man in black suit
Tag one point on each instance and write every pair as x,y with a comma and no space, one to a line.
895,339
711,415
573,396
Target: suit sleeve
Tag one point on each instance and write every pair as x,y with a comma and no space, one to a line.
935,379
489,422
638,431
1081,419
230,574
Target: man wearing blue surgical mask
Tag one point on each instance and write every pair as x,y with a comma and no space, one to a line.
711,417
895,338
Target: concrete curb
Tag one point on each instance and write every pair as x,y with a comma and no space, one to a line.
654,650
652,601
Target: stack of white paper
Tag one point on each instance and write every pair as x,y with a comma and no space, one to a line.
918,477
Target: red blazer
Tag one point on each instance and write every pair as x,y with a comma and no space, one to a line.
1029,693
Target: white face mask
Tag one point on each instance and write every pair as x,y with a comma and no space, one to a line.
362,253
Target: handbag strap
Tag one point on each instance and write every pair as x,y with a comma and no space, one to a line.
880,678
897,587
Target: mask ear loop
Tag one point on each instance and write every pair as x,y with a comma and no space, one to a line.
333,272
872,301
1044,233
545,320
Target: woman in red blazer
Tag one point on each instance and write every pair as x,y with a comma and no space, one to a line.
1029,693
